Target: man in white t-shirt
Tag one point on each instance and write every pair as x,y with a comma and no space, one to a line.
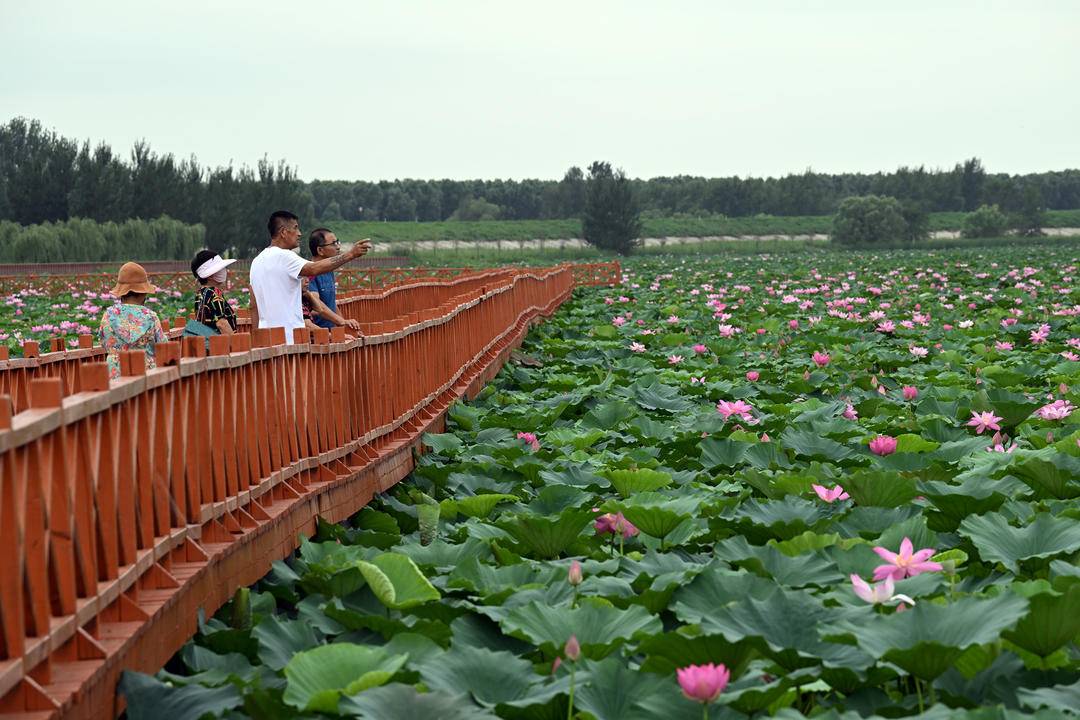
276,273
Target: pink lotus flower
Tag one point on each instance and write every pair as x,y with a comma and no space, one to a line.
905,563
615,524
530,440
1003,346
919,352
753,375
1057,410
886,326
910,392
739,408
984,421
883,445
673,319
878,594
830,495
699,349
820,359
850,412
793,324
637,347
674,359
703,683
618,321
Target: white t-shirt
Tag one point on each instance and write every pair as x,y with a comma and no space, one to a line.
275,280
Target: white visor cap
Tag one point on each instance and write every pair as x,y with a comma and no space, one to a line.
212,266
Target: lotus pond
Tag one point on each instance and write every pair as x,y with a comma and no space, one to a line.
726,488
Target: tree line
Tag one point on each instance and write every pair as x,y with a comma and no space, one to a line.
84,240
45,177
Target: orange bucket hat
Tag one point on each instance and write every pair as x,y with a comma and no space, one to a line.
132,278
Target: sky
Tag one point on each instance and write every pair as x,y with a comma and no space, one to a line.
370,89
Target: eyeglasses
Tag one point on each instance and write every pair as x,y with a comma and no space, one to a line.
336,242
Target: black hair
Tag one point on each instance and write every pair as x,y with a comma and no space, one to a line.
201,257
317,238
278,220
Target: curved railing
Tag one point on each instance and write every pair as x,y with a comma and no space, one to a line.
128,505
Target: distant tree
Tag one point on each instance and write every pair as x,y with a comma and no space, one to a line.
332,211
571,193
971,183
611,218
1031,216
398,205
916,221
987,221
476,209
868,220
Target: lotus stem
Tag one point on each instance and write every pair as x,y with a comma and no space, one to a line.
918,692
570,710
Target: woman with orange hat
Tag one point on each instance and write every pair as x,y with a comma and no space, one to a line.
129,324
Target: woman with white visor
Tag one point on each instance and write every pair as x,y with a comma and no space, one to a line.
211,307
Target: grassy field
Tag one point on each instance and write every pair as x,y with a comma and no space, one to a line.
654,227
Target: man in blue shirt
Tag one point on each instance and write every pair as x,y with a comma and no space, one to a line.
324,244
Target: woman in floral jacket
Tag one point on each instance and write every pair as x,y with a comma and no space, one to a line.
129,324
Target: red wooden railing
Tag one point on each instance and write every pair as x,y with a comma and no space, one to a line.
128,505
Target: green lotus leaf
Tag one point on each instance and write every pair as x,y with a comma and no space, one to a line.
150,699
784,518
403,702
654,513
317,678
546,537
598,626
1050,474
811,568
280,639
445,443
397,581
1063,698
553,499
574,476
660,397
810,444
631,482
926,639
609,415
909,443
485,579
615,691
480,506
785,626
490,677
721,452
880,489
997,541
1013,408
1053,621
714,588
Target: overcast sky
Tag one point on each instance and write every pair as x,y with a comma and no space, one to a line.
471,88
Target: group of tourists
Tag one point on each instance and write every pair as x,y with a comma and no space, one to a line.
287,291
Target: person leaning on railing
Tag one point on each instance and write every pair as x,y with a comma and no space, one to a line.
276,273
324,244
129,324
211,307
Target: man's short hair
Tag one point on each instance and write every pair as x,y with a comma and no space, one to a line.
317,238
201,257
278,220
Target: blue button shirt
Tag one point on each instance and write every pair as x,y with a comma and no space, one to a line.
326,287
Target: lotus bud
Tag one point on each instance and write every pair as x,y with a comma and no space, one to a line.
574,576
572,649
